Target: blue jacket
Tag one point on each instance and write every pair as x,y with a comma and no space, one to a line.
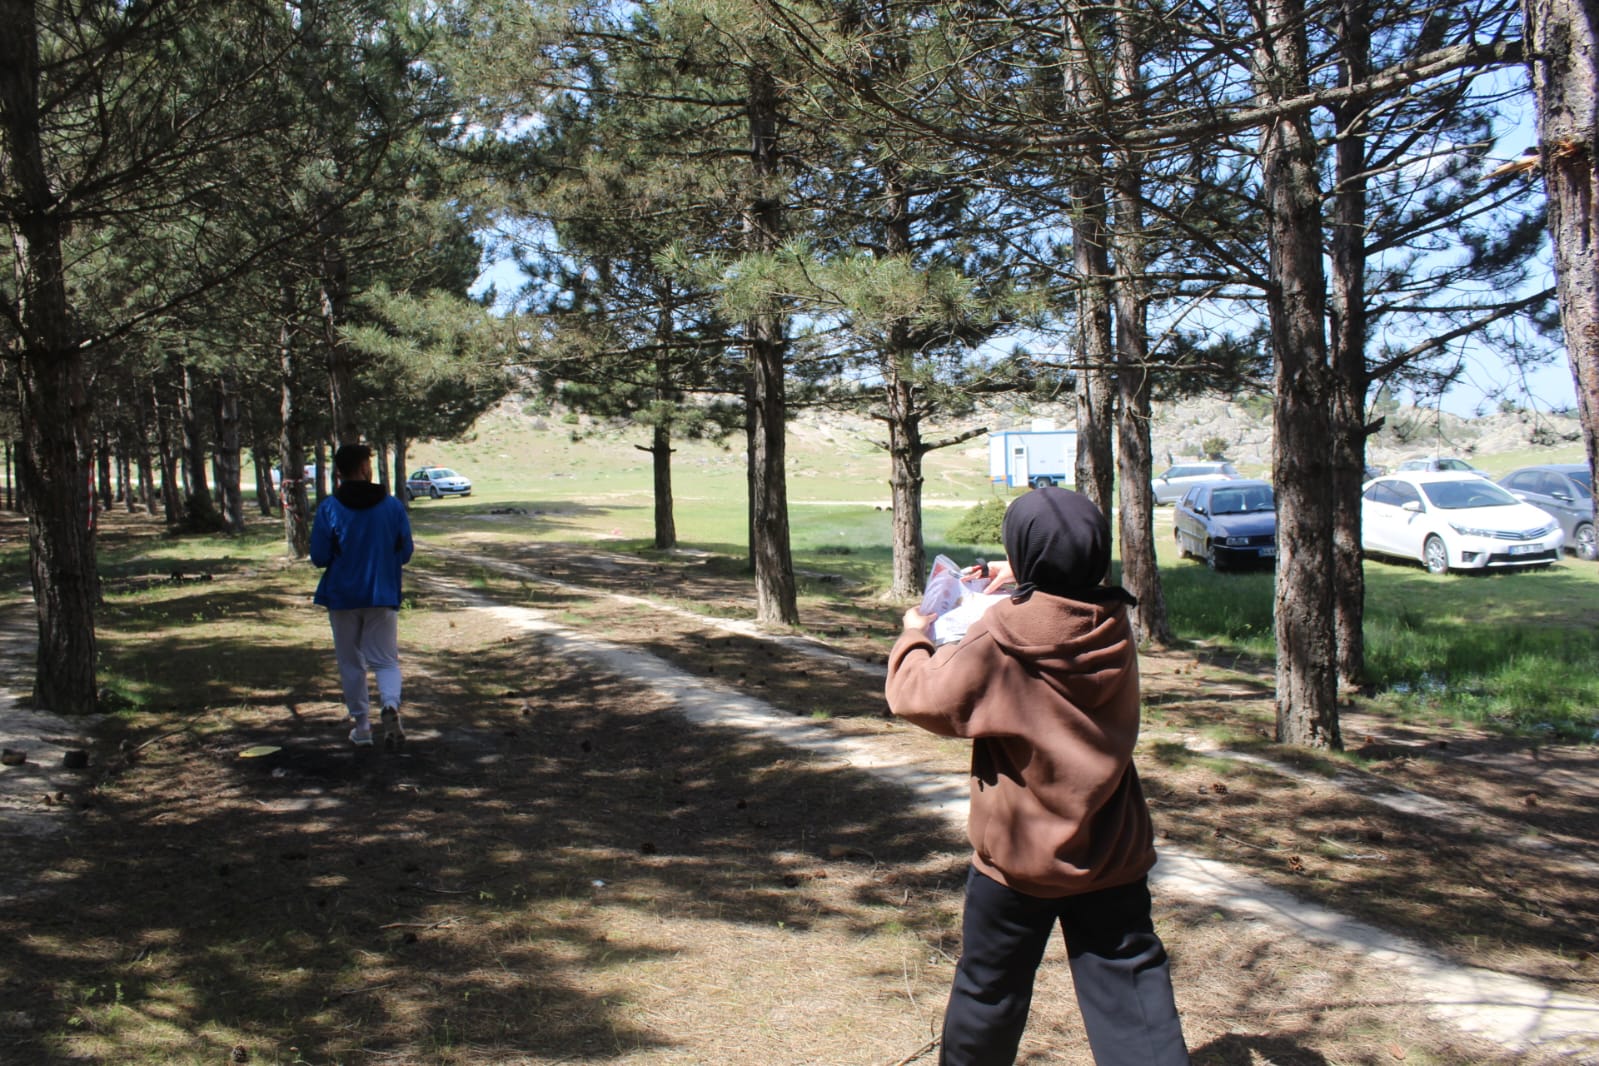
362,537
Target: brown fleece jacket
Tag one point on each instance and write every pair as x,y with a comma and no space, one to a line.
1048,691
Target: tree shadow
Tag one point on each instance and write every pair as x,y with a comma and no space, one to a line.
356,904
1240,1049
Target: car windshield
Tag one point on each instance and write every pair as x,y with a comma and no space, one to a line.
1457,495
441,473
1240,501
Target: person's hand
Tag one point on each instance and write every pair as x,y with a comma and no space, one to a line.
999,575
915,619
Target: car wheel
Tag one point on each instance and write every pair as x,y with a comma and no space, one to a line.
1435,556
1210,556
1043,482
408,494
433,491
1585,541
1182,546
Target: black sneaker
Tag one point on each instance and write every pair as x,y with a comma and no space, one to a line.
393,732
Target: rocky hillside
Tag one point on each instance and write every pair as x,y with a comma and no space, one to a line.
1182,430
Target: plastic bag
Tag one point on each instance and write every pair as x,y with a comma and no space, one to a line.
956,602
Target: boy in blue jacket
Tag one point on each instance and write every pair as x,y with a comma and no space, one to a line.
361,537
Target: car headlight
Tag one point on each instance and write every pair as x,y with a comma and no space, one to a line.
1237,542
1469,531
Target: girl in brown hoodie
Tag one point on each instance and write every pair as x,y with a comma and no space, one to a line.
1046,686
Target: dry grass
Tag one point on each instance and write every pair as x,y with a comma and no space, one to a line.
558,869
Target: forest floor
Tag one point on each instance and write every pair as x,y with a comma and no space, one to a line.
627,827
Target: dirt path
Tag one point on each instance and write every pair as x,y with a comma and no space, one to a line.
28,790
1506,1009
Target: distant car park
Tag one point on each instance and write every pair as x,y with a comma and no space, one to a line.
1170,485
1448,520
1565,490
309,476
435,482
1227,523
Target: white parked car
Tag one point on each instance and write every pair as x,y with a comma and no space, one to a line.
1448,520
1440,462
436,481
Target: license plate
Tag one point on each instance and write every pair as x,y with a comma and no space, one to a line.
1267,553
1525,549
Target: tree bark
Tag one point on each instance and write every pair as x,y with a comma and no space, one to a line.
775,592
1140,574
53,373
102,469
1350,380
399,468
167,457
661,430
1564,56
200,511
291,446
661,469
905,450
141,449
904,415
334,295
228,454
1307,708
1095,472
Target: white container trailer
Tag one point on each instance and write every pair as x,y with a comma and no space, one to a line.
1029,458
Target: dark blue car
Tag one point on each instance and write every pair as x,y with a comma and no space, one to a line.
1228,523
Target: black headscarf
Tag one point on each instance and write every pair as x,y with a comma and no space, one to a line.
1057,541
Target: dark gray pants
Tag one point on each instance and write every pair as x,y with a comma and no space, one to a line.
1118,966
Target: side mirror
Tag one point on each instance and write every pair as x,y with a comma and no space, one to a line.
1413,506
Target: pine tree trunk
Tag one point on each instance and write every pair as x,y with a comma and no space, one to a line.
53,380
167,458
1564,40
661,467
776,598
1095,472
102,469
141,449
399,468
323,475
291,446
1307,709
1140,574
905,448
661,434
266,497
127,489
334,281
905,453
228,454
200,511
1350,380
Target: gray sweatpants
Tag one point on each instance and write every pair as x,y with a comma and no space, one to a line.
367,638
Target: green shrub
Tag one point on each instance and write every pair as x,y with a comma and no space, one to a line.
1214,448
980,525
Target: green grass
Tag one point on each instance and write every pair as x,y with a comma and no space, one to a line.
1515,651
